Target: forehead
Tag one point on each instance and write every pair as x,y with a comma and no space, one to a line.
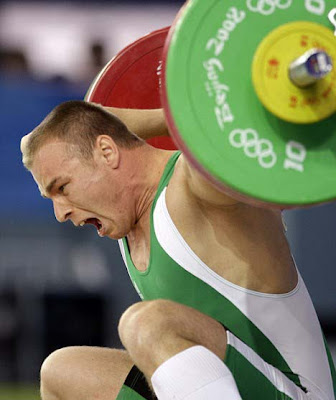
52,152
24,142
53,158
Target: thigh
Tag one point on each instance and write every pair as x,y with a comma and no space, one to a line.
257,379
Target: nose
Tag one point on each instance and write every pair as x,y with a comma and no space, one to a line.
62,211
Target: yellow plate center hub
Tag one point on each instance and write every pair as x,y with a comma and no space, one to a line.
270,73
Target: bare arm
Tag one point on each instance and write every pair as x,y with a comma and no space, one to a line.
144,123
204,190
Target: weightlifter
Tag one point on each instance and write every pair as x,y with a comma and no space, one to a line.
226,314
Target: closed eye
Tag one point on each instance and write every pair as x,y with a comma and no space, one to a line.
61,188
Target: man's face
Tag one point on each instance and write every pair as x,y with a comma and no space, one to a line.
83,192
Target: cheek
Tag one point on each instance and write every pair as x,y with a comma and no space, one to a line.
83,197
102,197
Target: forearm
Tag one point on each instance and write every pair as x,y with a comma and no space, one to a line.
144,123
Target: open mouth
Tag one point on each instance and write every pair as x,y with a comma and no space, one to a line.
96,222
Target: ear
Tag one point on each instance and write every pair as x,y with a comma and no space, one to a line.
106,151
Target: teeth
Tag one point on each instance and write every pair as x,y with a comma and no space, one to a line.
82,223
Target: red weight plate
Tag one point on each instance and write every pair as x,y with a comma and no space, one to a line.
132,79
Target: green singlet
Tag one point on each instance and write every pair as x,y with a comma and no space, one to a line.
276,349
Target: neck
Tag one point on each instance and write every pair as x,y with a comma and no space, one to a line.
147,165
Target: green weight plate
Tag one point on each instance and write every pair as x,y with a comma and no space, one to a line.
216,117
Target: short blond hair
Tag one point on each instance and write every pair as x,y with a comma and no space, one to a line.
79,123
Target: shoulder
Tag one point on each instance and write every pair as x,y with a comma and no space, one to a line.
188,180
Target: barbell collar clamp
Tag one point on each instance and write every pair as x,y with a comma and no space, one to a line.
310,68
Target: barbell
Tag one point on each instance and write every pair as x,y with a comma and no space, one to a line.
249,93
132,79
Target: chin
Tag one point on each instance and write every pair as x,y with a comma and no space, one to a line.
117,232
114,235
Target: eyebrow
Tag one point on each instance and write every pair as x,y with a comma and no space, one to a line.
50,186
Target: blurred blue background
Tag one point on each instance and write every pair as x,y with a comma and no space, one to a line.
63,287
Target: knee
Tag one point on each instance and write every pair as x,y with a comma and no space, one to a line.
53,372
143,322
148,326
80,372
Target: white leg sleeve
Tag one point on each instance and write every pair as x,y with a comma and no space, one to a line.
194,374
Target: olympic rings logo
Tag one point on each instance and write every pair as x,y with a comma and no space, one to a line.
267,7
254,147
